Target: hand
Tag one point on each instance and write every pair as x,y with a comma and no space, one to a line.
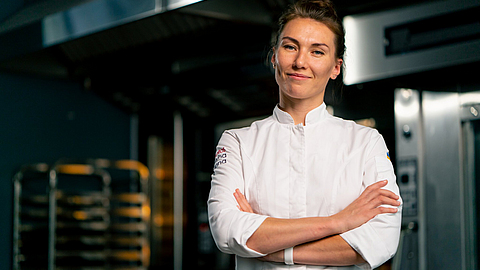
243,204
367,206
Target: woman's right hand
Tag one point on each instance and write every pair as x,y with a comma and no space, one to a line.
367,206
242,202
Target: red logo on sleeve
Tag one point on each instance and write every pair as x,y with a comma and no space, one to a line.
220,151
220,157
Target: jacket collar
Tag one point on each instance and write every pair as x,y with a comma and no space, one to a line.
313,116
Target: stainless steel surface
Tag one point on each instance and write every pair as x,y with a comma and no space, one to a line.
52,223
35,11
408,139
442,180
252,11
470,104
437,131
366,59
155,164
99,15
17,190
177,191
470,187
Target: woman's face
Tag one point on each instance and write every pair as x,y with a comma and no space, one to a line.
305,60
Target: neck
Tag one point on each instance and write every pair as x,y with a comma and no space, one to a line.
298,109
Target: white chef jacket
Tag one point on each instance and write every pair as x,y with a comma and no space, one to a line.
295,171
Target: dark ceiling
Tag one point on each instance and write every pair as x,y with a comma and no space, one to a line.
205,62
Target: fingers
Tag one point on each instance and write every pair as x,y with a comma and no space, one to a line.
388,194
376,186
243,204
379,184
386,201
373,201
376,191
376,200
386,210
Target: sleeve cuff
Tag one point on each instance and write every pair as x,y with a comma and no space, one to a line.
368,244
239,241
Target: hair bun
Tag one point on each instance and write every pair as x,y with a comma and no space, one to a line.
324,6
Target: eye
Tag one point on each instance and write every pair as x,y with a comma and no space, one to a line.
288,47
318,53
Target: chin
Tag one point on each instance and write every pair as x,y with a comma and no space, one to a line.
300,95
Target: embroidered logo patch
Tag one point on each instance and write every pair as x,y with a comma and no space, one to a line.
220,157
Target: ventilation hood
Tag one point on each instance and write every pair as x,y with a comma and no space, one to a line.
39,26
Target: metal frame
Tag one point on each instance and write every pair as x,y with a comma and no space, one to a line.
177,190
17,208
409,144
470,235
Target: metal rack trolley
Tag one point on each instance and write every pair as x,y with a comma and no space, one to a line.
75,215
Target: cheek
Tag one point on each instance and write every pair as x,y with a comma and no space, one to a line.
323,69
280,67
279,64
284,59
278,75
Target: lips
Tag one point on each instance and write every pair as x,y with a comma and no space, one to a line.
298,76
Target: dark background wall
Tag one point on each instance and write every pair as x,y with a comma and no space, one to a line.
46,120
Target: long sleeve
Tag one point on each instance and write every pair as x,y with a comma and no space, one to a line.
377,240
230,227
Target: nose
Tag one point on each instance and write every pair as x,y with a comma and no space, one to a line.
300,60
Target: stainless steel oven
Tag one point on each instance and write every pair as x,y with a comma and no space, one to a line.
438,166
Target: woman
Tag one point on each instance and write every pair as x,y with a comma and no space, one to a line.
303,187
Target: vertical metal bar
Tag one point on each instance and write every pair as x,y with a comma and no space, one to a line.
177,190
16,220
52,215
463,203
422,189
441,117
153,165
469,189
409,153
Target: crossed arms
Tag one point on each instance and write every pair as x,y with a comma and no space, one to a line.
317,240
370,225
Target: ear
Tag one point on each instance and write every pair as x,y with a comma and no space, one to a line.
336,69
274,58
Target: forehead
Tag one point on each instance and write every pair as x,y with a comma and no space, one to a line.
309,31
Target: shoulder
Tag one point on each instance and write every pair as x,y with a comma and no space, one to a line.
354,135
351,127
254,128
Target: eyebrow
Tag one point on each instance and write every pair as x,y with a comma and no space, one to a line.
297,42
